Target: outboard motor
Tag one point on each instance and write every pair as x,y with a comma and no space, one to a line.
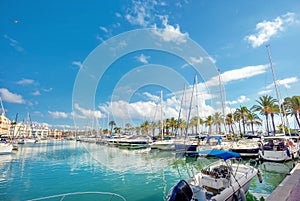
181,192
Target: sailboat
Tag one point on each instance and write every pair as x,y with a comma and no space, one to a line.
279,148
167,144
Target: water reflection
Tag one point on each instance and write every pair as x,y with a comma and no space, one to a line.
61,167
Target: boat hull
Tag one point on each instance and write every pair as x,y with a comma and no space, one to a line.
5,148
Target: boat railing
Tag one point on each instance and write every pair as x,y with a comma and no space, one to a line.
110,196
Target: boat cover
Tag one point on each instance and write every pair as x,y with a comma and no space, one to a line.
221,154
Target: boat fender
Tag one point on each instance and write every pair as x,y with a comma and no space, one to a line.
259,175
288,152
242,194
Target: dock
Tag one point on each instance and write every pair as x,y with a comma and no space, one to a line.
289,188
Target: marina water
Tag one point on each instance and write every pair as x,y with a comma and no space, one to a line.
58,167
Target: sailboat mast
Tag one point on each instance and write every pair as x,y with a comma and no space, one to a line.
161,116
189,113
277,91
222,100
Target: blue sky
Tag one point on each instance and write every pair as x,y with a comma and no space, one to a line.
47,45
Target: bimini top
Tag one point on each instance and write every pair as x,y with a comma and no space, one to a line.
221,154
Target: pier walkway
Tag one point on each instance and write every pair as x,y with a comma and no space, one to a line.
289,188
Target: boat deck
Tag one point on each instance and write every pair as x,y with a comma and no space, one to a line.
289,189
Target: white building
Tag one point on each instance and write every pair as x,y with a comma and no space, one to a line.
5,125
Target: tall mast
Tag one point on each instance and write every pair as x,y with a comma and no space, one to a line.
278,95
190,108
179,115
161,115
222,100
197,106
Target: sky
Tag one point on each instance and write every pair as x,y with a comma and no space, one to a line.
86,63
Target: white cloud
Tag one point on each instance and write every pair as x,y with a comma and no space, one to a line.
238,74
142,58
58,115
263,92
118,14
14,43
170,33
48,90
151,97
88,113
284,82
25,82
103,29
267,29
140,13
241,99
195,60
36,93
78,64
8,96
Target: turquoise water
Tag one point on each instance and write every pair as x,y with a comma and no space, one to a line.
47,169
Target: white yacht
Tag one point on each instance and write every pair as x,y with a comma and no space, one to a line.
279,148
222,180
5,148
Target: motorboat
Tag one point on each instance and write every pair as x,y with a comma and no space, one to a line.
246,147
27,141
206,143
135,142
164,145
279,148
220,181
5,148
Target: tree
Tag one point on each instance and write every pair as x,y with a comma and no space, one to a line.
264,105
153,126
173,124
128,128
111,124
167,125
242,112
217,120
293,107
229,120
181,126
253,119
209,122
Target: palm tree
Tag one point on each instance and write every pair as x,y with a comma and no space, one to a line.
193,123
111,124
117,129
253,119
264,104
145,127
153,126
173,123
167,125
209,122
274,109
293,107
217,120
237,118
128,127
181,126
242,112
230,121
